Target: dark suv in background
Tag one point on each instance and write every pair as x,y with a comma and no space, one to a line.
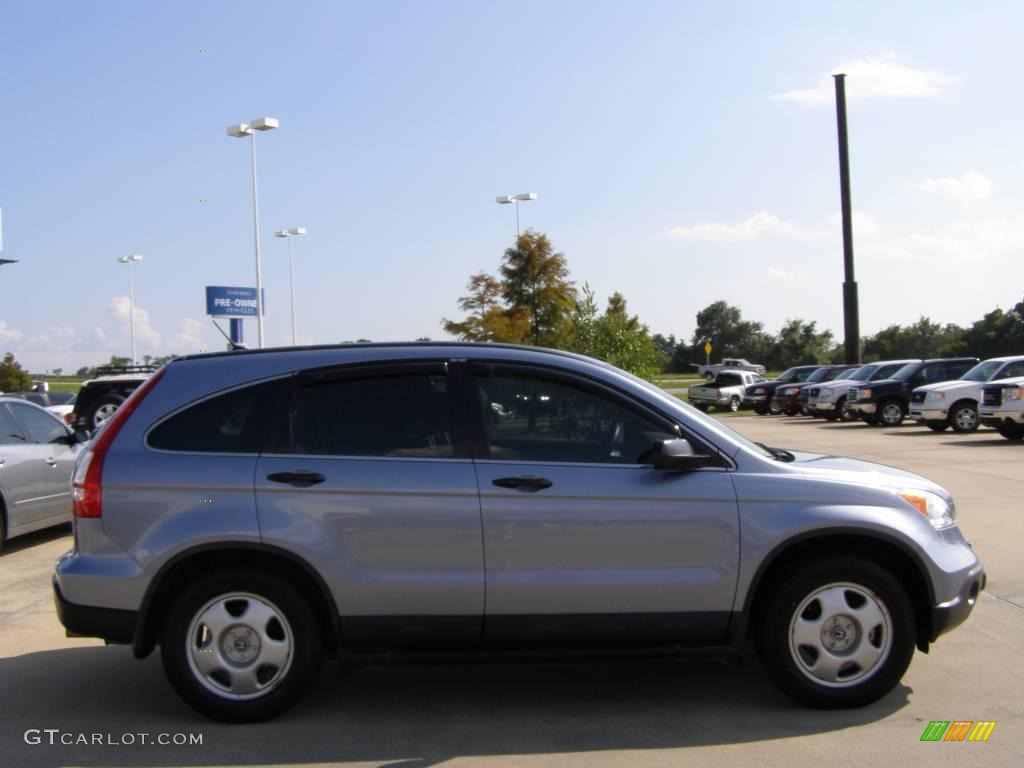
100,397
887,401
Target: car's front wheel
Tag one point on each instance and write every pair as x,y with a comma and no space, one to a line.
963,417
241,646
840,633
891,413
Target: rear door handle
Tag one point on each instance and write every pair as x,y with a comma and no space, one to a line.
524,482
300,477
51,461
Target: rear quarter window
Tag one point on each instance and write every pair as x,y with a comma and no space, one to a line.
234,422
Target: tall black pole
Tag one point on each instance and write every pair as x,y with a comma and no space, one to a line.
851,312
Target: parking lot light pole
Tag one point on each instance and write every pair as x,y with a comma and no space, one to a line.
290,233
239,131
129,260
508,199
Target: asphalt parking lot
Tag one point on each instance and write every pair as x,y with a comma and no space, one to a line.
644,713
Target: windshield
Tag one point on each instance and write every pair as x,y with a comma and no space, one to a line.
982,371
908,370
788,375
890,371
863,374
840,373
821,374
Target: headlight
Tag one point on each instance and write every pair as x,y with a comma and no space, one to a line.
935,508
864,394
1013,393
825,395
936,396
788,391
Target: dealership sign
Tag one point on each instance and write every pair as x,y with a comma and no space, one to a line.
227,301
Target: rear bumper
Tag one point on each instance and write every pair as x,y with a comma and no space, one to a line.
952,613
111,624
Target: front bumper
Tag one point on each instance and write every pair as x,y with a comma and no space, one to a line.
924,415
994,417
953,613
867,409
110,624
823,407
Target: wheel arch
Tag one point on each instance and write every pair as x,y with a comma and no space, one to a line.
201,559
890,553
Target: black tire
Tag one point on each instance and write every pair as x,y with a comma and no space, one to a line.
1011,431
963,416
890,413
702,407
792,411
102,409
734,404
892,638
761,410
241,588
841,409
940,426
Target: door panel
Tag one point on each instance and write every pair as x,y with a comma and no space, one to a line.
600,548
371,486
49,436
24,473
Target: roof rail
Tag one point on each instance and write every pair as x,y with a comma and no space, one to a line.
113,370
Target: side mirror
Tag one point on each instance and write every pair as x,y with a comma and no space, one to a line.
674,454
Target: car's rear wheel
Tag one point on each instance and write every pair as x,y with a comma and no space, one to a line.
241,646
839,633
734,404
963,417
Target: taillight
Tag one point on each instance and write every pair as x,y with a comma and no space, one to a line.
86,485
69,418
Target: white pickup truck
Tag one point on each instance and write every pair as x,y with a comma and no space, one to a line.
726,391
709,372
955,403
1002,407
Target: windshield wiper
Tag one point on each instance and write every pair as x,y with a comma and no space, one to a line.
778,454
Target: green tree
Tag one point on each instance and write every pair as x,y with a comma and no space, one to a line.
13,378
730,335
798,343
535,280
488,319
532,302
615,337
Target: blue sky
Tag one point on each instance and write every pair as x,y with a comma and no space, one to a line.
682,153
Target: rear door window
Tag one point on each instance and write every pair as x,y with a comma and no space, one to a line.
405,415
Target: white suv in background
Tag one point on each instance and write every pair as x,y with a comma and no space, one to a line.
955,403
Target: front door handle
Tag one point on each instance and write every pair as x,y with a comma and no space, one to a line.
51,461
523,482
302,478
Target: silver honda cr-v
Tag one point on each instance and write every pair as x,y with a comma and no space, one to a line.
252,512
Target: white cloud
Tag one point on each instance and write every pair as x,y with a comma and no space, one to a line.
874,77
762,223
971,242
776,273
865,225
8,334
970,188
146,336
188,339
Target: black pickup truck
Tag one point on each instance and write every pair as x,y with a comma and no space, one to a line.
887,401
759,396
